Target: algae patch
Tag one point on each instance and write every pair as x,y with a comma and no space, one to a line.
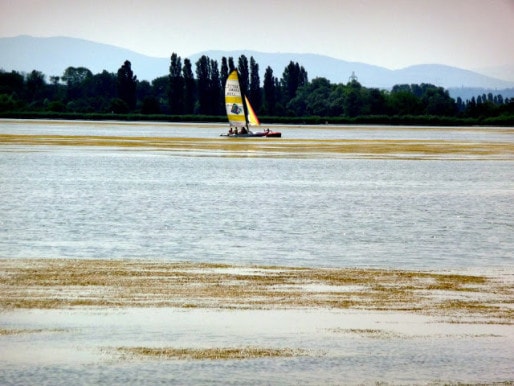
65,283
216,353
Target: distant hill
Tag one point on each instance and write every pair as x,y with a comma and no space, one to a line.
339,71
53,55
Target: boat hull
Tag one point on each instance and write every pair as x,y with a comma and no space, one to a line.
273,134
243,135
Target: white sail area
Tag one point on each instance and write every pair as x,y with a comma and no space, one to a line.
234,101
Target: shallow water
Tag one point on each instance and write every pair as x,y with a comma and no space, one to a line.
342,347
108,202
209,130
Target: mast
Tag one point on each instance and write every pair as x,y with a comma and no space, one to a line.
245,106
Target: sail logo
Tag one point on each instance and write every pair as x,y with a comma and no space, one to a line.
236,109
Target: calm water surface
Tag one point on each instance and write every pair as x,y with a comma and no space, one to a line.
80,202
77,348
84,202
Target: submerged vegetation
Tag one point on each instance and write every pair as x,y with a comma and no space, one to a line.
292,98
48,284
299,148
217,353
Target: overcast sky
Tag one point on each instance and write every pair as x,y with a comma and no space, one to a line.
390,33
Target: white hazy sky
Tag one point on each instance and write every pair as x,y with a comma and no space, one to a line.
390,33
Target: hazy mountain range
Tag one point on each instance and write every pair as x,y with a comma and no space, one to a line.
53,55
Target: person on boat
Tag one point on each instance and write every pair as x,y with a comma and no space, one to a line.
231,131
243,130
236,132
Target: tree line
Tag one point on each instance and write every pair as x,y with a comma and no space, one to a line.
198,91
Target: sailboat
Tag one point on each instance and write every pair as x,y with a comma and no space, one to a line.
240,113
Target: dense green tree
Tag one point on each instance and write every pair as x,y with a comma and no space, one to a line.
104,85
460,105
507,108
312,99
127,83
35,84
224,72
376,102
422,98
143,90
280,109
293,77
98,90
255,94
150,105
160,92
8,103
437,101
176,86
76,75
203,76
76,79
244,74
336,100
11,83
403,101
471,108
217,94
231,65
189,87
269,92
353,101
78,90
118,106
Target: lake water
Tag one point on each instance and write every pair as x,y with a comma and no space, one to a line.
108,202
361,210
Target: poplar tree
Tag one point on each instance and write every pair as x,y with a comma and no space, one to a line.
176,86
224,71
242,68
269,92
127,82
216,91
255,85
294,76
231,65
189,87
203,73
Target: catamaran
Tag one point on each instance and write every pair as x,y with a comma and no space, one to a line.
240,113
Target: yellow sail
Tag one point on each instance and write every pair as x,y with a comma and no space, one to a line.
252,117
234,101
